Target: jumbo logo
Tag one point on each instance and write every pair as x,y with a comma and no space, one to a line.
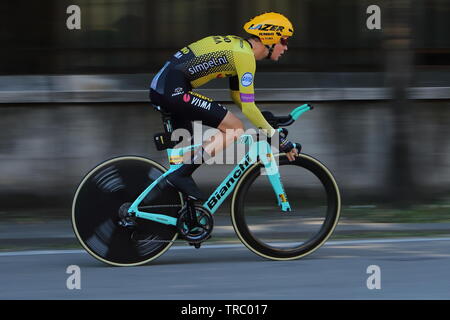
266,27
186,97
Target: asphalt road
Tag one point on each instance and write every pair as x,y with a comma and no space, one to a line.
408,269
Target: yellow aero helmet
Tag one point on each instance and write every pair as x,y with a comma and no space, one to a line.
270,27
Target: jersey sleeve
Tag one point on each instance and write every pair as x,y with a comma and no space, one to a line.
243,92
234,91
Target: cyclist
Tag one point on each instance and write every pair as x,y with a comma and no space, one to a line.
218,57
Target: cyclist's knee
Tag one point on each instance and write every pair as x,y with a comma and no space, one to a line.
231,122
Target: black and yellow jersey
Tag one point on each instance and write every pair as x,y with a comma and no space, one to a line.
219,57
216,57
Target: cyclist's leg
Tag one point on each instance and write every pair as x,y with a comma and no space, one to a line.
163,93
182,103
172,93
198,107
193,106
230,129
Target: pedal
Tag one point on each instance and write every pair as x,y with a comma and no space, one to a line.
196,245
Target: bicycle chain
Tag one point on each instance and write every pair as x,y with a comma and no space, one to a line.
160,206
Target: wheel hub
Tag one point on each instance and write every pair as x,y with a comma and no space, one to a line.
125,219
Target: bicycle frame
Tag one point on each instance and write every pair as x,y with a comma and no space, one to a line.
259,151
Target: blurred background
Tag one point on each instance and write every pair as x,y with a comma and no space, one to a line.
70,99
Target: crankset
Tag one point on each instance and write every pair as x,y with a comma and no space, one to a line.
195,226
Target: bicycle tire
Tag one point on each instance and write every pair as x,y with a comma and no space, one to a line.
96,203
249,237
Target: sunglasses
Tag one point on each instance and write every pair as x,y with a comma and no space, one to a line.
284,41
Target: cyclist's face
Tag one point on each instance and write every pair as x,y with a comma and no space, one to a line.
278,50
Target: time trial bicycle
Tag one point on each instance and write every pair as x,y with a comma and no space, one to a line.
124,213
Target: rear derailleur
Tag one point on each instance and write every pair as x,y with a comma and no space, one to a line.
125,219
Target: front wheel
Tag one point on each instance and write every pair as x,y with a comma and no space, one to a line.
315,204
105,194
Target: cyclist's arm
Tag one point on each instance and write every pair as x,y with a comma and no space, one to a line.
234,91
243,94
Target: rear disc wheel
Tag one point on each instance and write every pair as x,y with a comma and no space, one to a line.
98,209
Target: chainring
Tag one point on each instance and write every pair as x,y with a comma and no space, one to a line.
202,228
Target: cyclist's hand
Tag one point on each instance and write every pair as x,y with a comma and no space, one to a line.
292,154
287,147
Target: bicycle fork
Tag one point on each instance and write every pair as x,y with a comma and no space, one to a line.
273,174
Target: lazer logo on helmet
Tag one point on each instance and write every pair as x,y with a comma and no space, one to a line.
205,66
266,27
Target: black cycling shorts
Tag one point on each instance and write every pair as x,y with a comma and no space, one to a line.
172,91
